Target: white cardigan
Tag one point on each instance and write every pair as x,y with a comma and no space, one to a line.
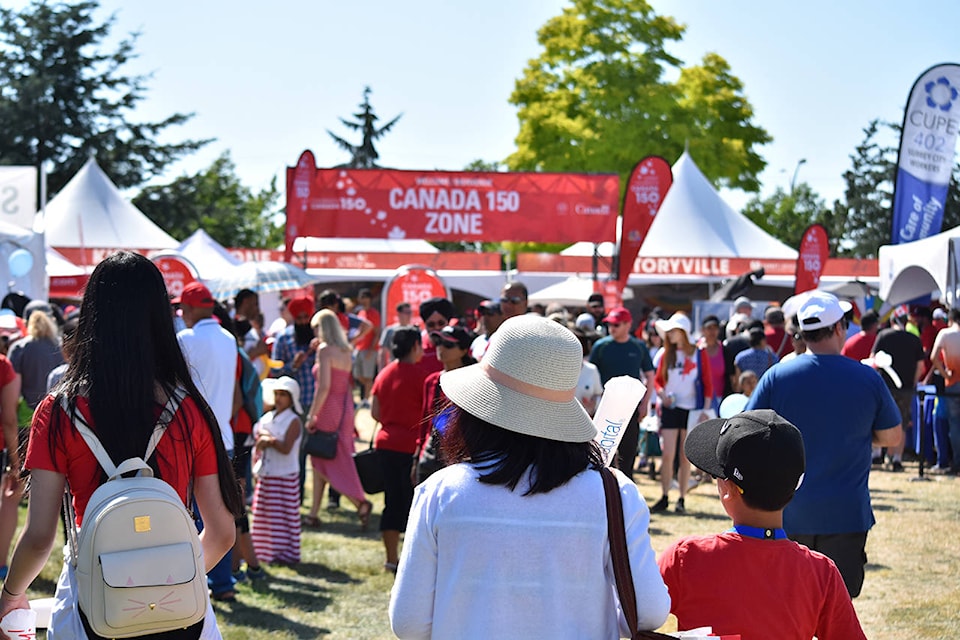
480,561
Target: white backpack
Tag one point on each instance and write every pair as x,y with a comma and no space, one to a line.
138,560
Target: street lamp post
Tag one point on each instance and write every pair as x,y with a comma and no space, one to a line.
793,181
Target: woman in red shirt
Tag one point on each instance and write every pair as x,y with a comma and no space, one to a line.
397,397
125,366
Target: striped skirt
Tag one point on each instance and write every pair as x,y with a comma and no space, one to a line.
275,530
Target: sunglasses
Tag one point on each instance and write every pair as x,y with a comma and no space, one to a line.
513,300
595,306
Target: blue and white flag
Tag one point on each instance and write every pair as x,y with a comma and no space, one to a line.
931,122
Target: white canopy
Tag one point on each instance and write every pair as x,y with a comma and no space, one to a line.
90,212
694,221
209,257
572,292
58,265
919,268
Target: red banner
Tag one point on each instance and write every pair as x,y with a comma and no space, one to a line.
814,251
67,286
649,182
449,205
413,284
697,267
177,272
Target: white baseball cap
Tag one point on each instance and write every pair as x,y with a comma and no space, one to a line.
820,309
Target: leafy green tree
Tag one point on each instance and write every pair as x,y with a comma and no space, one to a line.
63,97
786,215
214,200
597,99
864,219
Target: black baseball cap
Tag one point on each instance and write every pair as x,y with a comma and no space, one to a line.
455,336
761,452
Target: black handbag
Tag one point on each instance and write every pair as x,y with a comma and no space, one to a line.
369,469
322,444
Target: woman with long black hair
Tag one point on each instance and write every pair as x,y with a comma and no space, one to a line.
125,367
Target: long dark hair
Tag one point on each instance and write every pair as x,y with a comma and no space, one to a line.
503,456
126,354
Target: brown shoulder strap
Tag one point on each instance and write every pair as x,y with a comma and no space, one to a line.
620,556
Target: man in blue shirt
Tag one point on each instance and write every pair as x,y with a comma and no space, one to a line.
842,408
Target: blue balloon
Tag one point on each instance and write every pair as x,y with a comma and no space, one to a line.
20,263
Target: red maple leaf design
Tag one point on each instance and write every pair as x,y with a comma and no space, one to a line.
688,366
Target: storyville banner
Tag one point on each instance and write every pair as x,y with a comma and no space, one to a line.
931,122
449,205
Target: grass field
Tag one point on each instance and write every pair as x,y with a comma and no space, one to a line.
340,589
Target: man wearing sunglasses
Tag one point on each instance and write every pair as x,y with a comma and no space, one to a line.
435,314
513,299
491,317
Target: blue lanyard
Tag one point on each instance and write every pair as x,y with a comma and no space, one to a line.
757,532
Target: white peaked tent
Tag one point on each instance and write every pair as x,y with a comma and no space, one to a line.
210,258
694,221
915,269
90,212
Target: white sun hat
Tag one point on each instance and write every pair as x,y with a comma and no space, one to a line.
284,383
676,321
526,382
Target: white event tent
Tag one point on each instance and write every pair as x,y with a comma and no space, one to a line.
923,267
694,221
90,212
208,256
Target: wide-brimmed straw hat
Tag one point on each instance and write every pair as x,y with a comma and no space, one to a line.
526,382
676,321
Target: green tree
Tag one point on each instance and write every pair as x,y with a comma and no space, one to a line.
363,155
596,99
214,200
786,215
864,218
63,97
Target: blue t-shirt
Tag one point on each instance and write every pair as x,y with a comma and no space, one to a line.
756,360
836,403
613,358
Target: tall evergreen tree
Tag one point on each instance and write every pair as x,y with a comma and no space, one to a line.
363,155
63,97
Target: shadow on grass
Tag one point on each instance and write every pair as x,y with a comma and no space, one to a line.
240,615
873,566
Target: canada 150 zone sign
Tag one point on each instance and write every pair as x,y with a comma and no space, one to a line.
449,206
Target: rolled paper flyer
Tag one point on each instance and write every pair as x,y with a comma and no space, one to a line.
20,624
619,401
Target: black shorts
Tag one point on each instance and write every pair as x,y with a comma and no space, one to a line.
674,418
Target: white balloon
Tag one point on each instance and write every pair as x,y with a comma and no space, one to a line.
732,405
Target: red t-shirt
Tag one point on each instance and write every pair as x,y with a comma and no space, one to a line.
7,375
760,589
778,341
859,346
365,342
178,464
399,391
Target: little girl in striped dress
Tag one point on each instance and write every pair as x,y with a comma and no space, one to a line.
276,499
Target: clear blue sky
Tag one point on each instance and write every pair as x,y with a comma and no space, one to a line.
268,78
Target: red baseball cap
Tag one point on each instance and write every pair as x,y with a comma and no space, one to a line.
195,294
619,315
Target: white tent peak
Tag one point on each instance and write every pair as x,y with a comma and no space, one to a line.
693,220
210,258
90,212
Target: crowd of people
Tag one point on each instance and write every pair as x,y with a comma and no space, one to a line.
485,442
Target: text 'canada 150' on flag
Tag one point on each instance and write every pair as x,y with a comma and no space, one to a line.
930,126
648,184
449,205
811,258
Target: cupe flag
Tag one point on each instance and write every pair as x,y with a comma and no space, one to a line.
931,122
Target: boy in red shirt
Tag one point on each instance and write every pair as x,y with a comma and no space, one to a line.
751,580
